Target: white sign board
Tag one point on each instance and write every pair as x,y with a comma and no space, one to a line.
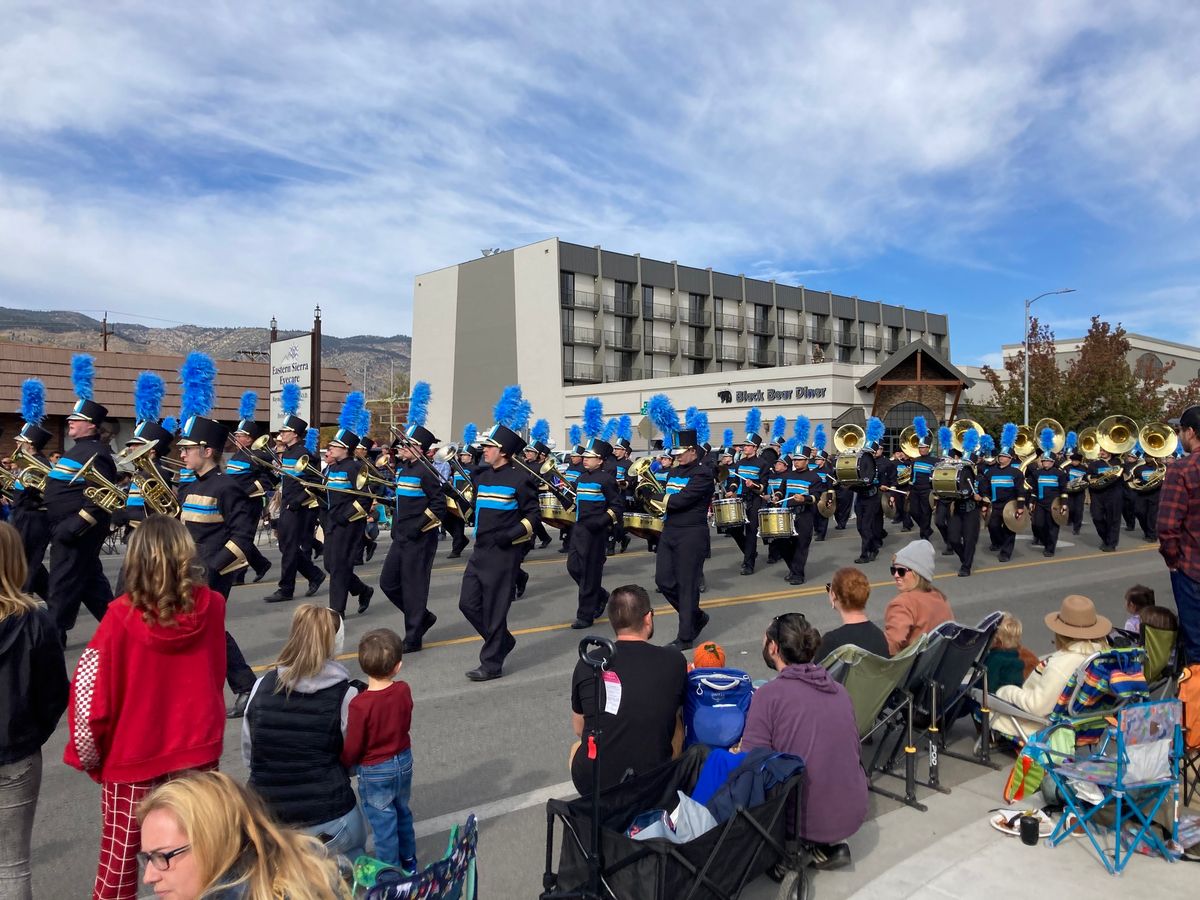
291,363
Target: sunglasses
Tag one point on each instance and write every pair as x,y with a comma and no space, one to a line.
899,571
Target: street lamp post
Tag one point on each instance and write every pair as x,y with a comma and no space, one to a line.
1029,303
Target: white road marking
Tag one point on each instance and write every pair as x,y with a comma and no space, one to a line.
495,809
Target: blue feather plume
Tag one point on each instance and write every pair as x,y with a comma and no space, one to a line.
625,428
727,437
364,423
248,406
610,430
470,432
289,398
540,431
148,393
945,438
33,401
820,440
352,410
520,419
778,429
920,427
505,409
987,445
875,429
663,415
575,434
801,430
593,417
311,438
1008,435
753,420
1072,441
170,423
1046,439
83,375
971,442
790,446
198,375
418,403
703,432
689,416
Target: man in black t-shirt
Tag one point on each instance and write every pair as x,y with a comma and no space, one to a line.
848,593
641,702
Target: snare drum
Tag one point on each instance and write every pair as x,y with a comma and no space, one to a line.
553,512
846,469
643,525
775,523
945,482
729,512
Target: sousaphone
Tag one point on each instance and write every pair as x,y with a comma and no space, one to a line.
1089,442
909,442
1060,434
958,431
849,439
1117,434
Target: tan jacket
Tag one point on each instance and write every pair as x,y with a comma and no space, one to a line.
1042,688
912,614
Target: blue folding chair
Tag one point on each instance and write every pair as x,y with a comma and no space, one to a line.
1136,767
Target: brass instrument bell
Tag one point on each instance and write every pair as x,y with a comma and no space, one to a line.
1025,444
958,431
909,442
1158,439
1117,434
1060,434
1089,442
849,439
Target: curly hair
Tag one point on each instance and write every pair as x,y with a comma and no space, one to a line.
162,570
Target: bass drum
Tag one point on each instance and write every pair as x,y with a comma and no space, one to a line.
846,470
729,512
945,482
553,512
775,523
643,525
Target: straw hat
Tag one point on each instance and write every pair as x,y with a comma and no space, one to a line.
1077,618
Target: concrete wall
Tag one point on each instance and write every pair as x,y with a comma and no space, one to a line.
435,333
538,337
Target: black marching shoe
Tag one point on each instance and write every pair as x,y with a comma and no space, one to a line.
680,644
454,554
703,623
369,550
522,582
795,579
1047,553
564,549
747,570
364,599
542,545
860,560
964,572
259,574
624,543
315,585
579,624
1107,549
277,598
871,556
482,674
239,706
1005,557
947,552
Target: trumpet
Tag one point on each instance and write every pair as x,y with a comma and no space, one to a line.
100,490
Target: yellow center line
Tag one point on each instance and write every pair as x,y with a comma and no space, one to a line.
762,597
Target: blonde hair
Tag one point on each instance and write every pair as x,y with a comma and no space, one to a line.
162,570
13,572
309,645
235,841
1008,633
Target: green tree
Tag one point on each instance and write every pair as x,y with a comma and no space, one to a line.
1101,383
1176,400
1046,384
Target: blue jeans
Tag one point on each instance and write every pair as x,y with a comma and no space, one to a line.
19,785
1187,602
385,788
348,834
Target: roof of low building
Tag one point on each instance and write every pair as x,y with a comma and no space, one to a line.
903,355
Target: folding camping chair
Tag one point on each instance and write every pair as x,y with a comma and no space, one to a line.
1163,658
1135,767
453,877
872,681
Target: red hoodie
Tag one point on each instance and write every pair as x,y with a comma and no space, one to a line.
148,700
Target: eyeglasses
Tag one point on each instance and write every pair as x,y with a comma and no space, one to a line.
899,571
161,859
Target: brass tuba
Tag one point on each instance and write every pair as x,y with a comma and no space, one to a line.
1060,434
1089,442
1025,444
1158,439
849,439
1117,434
648,490
909,442
958,431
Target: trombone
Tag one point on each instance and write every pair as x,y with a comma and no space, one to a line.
458,503
564,494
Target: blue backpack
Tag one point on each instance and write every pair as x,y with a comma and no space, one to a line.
715,707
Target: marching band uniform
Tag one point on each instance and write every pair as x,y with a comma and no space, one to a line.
621,462
1145,502
801,489
1048,484
775,490
820,467
900,465
1076,471
999,484
920,488
29,514
255,479
456,526
419,505
598,506
679,566
297,518
962,516
1106,502
752,472
1128,494
346,525
506,510
845,498
868,510
78,526
570,475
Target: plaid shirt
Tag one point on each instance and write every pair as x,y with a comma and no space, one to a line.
1179,516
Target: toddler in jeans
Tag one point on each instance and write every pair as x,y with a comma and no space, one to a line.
377,743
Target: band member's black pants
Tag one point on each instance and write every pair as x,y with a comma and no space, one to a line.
904,516
254,556
1075,511
585,563
941,519
405,578
678,568
76,577
868,514
1045,529
962,525
457,529
820,526
921,511
1145,507
34,528
746,536
295,548
342,543
1004,539
484,598
238,674
795,550
1106,514
1128,511
845,505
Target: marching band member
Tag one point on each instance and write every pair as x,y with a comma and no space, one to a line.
506,510
29,504
78,525
345,512
621,457
1145,500
297,506
801,490
752,471
1128,494
570,475
1048,483
1106,485
963,520
868,510
922,479
820,466
598,506
774,490
1077,473
998,485
900,466
537,455
251,469
456,526
942,512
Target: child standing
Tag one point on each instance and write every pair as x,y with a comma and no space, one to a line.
378,744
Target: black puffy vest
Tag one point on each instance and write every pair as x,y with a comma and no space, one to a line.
295,745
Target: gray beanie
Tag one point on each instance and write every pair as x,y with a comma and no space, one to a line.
919,557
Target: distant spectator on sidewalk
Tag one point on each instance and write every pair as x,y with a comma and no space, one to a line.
1179,530
848,593
642,703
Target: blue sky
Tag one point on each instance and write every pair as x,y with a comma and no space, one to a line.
223,163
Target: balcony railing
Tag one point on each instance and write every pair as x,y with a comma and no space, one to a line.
871,342
588,373
667,345
820,335
621,306
791,329
727,322
891,345
575,334
658,373
760,357
731,353
696,349
845,339
620,341
793,359
696,318
759,326
580,300
622,373
659,312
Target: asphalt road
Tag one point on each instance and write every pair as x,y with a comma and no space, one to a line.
501,747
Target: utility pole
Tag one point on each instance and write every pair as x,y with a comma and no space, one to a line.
104,332
315,389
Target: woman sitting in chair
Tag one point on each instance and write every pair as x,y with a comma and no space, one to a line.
1078,633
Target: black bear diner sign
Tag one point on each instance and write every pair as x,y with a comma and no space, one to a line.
772,395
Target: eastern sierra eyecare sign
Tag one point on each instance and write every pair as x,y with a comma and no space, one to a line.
291,363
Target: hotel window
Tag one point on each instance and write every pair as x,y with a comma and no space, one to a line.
647,301
566,281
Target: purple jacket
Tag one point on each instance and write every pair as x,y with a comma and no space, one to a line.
805,713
